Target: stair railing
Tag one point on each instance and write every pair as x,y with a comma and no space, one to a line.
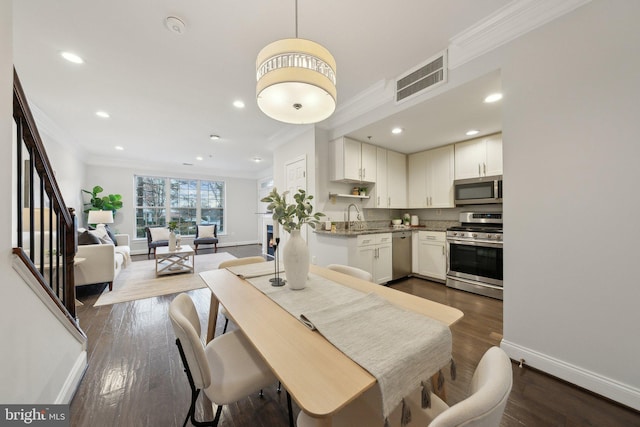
46,228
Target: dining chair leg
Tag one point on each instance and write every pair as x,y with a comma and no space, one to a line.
226,323
279,389
289,407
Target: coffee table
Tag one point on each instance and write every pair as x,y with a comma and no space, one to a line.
181,260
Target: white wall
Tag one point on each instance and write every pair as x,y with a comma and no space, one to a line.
241,195
38,354
570,126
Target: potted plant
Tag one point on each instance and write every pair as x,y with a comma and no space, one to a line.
112,202
173,225
292,217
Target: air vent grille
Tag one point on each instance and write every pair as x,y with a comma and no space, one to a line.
426,76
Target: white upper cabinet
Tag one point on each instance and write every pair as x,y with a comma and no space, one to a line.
397,179
352,161
479,157
430,183
380,191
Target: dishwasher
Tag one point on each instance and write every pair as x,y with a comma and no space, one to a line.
401,254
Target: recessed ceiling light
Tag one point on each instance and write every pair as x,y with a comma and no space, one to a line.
214,137
238,104
72,57
102,114
493,97
472,132
257,159
396,131
199,158
119,147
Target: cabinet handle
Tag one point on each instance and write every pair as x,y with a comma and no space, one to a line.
430,201
389,202
479,170
484,166
378,201
443,251
364,173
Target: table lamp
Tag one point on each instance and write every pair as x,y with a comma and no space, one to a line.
100,218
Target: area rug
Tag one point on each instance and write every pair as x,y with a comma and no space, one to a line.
139,281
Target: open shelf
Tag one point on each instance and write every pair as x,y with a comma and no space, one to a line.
346,196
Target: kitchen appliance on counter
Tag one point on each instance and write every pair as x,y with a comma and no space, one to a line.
474,254
400,254
478,191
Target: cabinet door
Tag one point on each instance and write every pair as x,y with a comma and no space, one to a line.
397,179
364,259
383,267
381,197
416,188
440,177
352,157
494,155
469,156
368,163
431,259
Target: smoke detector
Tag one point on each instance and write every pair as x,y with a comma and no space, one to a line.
175,25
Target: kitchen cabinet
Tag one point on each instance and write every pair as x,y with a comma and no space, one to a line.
372,253
479,157
352,161
390,190
381,194
431,259
430,181
397,179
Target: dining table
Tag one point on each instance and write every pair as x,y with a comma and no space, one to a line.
320,378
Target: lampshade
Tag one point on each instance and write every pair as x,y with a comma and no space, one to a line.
296,81
100,217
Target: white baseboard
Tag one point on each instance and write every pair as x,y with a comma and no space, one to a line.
73,380
592,381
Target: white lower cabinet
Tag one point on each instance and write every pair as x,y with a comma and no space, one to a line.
430,255
372,253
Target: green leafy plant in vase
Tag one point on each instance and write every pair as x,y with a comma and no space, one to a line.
292,217
111,202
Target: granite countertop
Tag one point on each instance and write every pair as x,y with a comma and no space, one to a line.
427,226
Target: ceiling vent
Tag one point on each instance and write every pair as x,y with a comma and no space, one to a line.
428,75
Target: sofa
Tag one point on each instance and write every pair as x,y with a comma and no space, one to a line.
102,262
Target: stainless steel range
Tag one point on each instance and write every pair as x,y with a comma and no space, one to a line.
474,252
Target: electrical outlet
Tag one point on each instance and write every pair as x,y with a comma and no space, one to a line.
314,260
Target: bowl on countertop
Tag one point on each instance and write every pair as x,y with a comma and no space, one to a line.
396,221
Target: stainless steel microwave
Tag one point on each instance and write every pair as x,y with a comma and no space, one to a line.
478,191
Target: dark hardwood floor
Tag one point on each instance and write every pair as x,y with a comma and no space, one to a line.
135,377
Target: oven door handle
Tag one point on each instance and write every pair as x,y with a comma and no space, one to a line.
484,243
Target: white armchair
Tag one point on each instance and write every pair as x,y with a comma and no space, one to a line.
101,263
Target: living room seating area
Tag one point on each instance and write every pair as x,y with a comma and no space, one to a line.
100,260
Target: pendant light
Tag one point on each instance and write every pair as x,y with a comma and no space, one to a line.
296,80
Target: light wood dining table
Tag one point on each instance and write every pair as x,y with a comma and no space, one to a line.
319,377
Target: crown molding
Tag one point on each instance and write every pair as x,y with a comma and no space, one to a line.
505,25
371,98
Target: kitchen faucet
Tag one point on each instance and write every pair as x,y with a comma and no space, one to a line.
348,215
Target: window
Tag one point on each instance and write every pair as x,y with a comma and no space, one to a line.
186,201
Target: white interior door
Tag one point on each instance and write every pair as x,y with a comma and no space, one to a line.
296,179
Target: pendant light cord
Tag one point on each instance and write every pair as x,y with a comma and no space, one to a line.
296,18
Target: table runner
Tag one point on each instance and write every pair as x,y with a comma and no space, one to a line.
256,269
400,348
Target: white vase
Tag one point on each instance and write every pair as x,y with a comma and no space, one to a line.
295,256
172,241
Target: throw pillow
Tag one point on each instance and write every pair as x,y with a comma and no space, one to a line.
86,238
205,231
101,234
159,233
111,235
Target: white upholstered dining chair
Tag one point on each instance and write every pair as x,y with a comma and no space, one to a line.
227,369
351,271
232,263
490,387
